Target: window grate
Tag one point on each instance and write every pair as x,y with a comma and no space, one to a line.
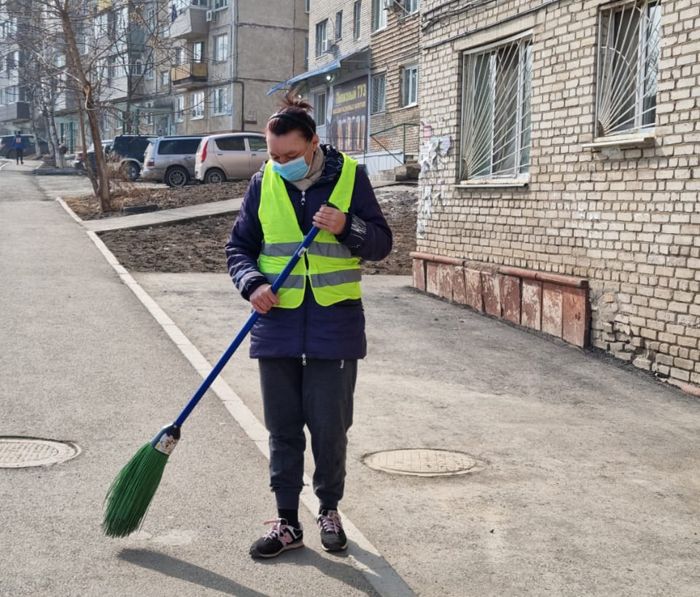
628,64
496,120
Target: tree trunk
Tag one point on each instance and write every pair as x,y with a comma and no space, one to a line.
103,190
53,134
87,164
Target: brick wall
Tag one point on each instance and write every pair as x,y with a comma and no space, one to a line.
393,47
627,220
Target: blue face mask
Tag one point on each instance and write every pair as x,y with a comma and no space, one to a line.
293,170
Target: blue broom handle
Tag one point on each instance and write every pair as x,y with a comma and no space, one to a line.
276,285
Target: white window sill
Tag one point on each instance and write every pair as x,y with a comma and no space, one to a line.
197,118
641,139
494,183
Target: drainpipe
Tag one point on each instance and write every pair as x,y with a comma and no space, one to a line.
234,67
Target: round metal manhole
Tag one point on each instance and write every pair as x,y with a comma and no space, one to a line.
24,452
421,462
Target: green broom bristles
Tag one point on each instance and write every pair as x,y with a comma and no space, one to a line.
131,492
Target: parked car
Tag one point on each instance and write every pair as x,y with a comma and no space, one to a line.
127,154
79,159
7,145
229,156
171,160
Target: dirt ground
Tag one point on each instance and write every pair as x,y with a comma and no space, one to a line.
135,195
198,246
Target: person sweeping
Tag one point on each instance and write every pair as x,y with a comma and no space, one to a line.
311,334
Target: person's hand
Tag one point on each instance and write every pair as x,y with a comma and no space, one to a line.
330,219
263,299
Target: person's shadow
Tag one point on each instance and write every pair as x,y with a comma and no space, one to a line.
176,568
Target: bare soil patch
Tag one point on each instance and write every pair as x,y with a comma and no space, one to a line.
136,195
198,246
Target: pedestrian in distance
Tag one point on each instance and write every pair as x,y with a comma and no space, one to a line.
19,149
311,334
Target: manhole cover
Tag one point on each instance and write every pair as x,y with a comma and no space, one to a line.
22,452
421,462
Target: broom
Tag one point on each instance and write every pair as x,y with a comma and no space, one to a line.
132,490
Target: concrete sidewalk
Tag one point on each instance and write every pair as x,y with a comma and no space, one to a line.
587,478
83,361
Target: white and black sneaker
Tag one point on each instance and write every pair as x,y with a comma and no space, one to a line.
332,534
281,537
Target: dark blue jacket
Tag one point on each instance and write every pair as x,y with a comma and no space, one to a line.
335,332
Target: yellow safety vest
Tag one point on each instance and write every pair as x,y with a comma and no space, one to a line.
333,272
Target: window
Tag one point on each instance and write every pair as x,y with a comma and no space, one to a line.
339,24
496,116
218,4
409,85
411,6
221,48
320,108
307,6
198,51
197,98
378,15
101,25
179,108
164,79
257,143
179,146
306,52
230,143
321,39
180,55
628,63
220,101
356,19
378,93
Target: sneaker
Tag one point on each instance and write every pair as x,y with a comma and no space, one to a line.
332,534
279,538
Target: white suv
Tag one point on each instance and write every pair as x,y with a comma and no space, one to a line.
229,156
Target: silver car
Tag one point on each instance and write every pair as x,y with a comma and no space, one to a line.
230,156
171,160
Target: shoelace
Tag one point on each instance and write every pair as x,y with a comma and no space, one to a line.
276,529
330,522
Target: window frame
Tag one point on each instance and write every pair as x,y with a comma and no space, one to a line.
221,44
179,115
320,41
320,116
406,87
377,77
520,172
357,19
379,16
197,106
338,25
217,103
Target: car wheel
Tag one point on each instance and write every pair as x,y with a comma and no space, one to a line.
214,176
131,171
176,177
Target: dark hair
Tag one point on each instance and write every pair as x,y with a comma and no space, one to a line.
293,115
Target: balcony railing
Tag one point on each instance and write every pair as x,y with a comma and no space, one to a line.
192,74
17,111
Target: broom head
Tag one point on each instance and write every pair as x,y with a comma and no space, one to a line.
131,492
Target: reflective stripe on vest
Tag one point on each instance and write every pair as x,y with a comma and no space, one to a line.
332,270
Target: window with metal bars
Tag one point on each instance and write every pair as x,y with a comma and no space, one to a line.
496,111
628,64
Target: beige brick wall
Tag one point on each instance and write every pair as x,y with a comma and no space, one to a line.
627,220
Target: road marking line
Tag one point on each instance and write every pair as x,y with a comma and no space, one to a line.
363,555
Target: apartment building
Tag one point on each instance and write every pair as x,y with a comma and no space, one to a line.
560,171
362,77
15,111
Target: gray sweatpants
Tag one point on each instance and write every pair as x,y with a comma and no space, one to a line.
318,394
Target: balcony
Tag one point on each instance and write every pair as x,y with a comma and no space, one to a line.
191,23
193,74
16,111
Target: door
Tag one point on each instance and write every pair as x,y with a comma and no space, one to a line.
258,153
233,157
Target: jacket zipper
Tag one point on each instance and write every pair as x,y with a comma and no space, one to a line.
306,263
